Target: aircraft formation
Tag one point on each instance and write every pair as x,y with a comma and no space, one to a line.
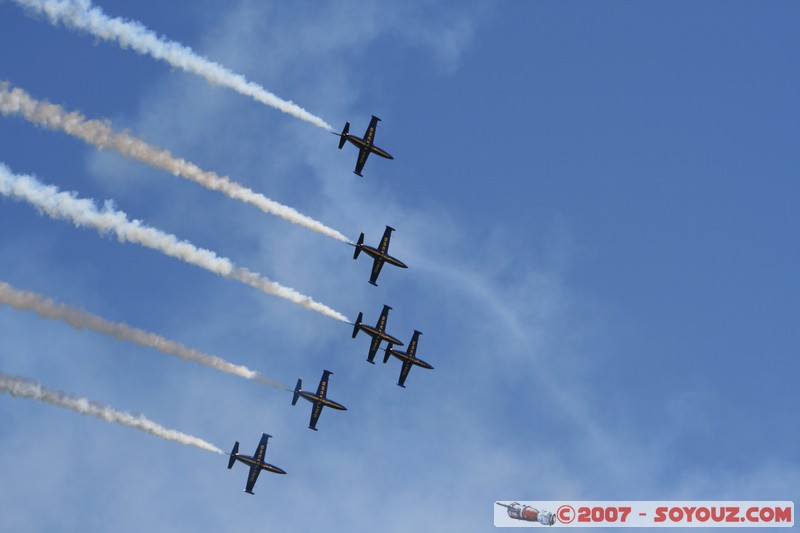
380,256
14,101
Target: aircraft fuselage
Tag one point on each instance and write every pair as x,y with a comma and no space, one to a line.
364,145
313,398
255,462
411,359
377,334
377,254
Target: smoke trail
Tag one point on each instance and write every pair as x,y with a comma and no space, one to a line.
100,134
25,388
83,212
47,308
81,15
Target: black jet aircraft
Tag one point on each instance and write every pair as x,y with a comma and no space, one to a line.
256,462
365,145
408,357
319,399
379,255
377,333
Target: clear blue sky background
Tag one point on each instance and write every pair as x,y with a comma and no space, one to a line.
598,203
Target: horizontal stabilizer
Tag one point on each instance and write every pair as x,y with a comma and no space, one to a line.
358,246
233,455
343,136
297,391
357,324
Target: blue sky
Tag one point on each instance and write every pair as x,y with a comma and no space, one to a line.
597,204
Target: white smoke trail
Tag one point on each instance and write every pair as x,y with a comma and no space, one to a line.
47,308
100,134
25,388
82,15
82,212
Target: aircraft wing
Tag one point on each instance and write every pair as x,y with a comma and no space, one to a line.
322,390
412,347
384,246
315,412
373,348
381,325
377,265
404,372
363,154
252,478
261,451
369,135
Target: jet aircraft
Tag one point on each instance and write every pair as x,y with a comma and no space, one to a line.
365,145
319,399
256,462
408,357
379,255
377,333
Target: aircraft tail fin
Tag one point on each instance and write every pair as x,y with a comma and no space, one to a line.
343,136
297,391
358,246
388,352
234,451
357,324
